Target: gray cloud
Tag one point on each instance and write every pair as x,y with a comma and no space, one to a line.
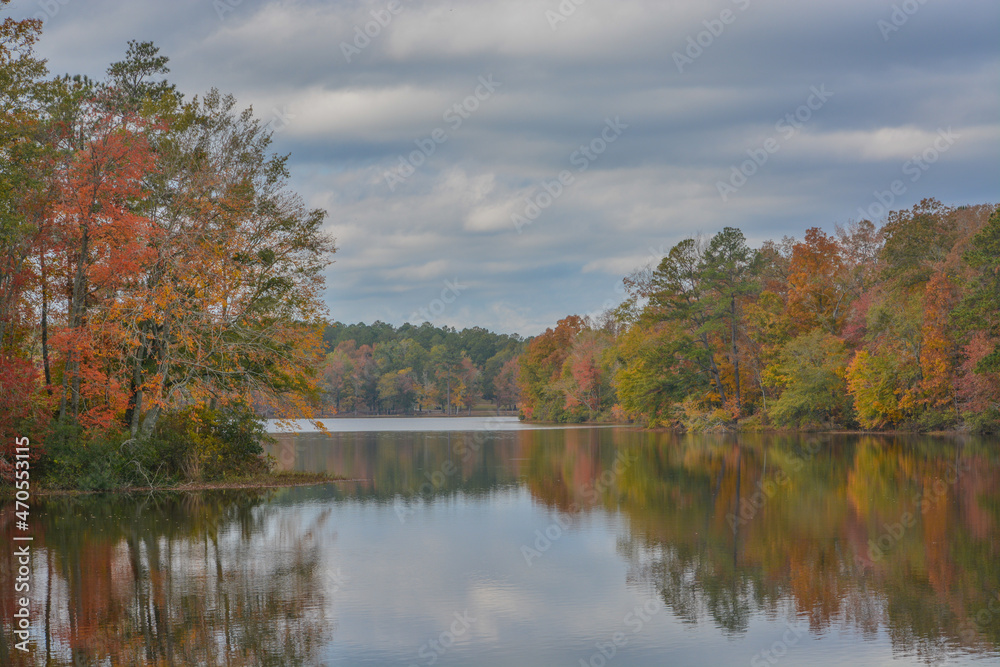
350,122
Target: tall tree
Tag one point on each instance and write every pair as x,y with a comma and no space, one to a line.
22,402
541,368
105,244
237,272
730,271
818,289
980,308
506,393
681,294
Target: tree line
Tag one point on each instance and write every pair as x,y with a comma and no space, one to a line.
381,369
153,263
890,326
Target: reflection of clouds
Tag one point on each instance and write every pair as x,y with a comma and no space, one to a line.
368,588
462,554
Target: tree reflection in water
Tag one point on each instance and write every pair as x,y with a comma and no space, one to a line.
873,536
815,529
173,580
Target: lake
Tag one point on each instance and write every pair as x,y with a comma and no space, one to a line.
464,541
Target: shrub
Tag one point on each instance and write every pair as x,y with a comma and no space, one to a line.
84,460
195,443
201,443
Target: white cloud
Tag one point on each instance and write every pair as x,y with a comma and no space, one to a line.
350,122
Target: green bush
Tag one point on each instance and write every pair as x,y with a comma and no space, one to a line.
983,423
84,461
937,420
202,443
193,444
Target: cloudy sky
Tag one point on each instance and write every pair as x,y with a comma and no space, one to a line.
504,164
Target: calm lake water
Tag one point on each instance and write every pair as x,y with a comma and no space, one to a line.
486,542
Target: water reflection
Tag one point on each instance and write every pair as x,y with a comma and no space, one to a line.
180,580
856,534
869,548
861,533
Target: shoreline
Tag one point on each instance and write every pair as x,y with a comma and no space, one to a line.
762,431
279,480
735,429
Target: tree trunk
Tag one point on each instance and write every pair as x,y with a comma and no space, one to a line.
736,360
45,336
76,313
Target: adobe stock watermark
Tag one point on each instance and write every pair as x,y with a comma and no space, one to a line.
591,491
449,294
363,35
336,581
636,621
21,621
280,119
224,7
787,126
288,451
766,489
899,17
915,168
432,650
922,502
971,628
542,197
779,649
49,8
714,27
465,450
455,116
565,9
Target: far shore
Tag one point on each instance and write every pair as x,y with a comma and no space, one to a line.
273,480
733,429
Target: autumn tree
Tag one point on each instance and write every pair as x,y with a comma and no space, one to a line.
103,245
468,384
856,326
446,365
656,373
879,386
940,353
237,271
397,390
730,270
980,307
679,294
811,375
541,367
20,74
704,288
22,403
506,392
586,373
818,289
916,241
977,316
860,244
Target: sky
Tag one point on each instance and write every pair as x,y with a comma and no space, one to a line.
505,164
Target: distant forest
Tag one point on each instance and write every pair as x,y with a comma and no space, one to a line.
895,326
379,369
